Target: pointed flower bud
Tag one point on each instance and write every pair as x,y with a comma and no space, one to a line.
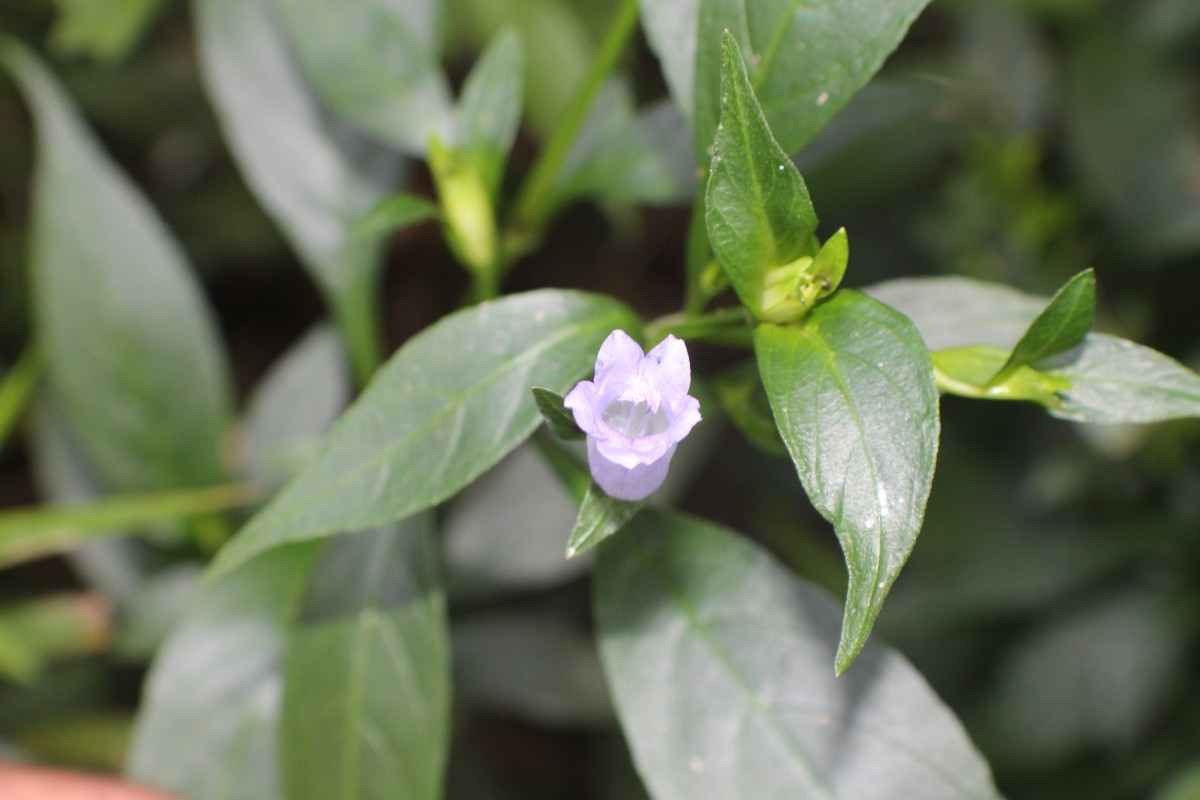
634,413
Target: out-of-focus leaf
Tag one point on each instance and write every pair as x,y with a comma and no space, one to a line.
375,62
1115,380
19,660
757,209
451,403
1095,678
1184,785
317,180
1060,326
807,60
154,611
208,726
698,627
60,625
16,387
959,312
534,664
854,398
366,702
102,29
507,530
294,405
600,516
629,154
489,109
741,396
132,355
397,211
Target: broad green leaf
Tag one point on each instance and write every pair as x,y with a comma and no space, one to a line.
600,516
293,406
536,663
1061,325
506,531
959,312
489,109
208,725
554,412
1115,380
315,179
718,660
807,59
854,398
450,404
102,29
757,209
366,701
375,62
132,355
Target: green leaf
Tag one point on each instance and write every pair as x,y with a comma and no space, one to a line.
16,387
854,398
741,396
19,660
132,354
960,312
375,62
103,29
1114,380
600,516
718,660
450,404
757,209
209,717
807,59
1061,325
316,180
392,214
555,414
293,406
366,703
489,109
976,371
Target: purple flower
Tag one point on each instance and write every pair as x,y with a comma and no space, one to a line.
634,413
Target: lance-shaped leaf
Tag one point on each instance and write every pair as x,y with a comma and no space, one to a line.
1115,380
718,660
757,209
366,703
807,59
854,398
489,109
451,403
600,516
375,62
208,725
132,354
1061,325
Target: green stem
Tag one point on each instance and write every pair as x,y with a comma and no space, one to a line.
359,323
30,533
17,388
533,204
729,326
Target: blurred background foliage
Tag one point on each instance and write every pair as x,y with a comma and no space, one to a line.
1053,599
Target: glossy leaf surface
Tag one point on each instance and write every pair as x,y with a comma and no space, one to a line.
718,660
853,395
451,403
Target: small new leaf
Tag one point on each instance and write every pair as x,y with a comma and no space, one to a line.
600,516
560,421
757,209
1060,327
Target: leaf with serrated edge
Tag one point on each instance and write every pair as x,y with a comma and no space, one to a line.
757,209
451,403
718,660
854,397
366,700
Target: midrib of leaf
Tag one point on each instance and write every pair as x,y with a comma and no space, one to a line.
772,49
333,487
692,616
366,623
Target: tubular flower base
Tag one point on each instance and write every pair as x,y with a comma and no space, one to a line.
635,411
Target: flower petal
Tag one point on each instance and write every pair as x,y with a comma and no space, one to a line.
624,483
684,416
619,359
668,369
620,449
586,403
